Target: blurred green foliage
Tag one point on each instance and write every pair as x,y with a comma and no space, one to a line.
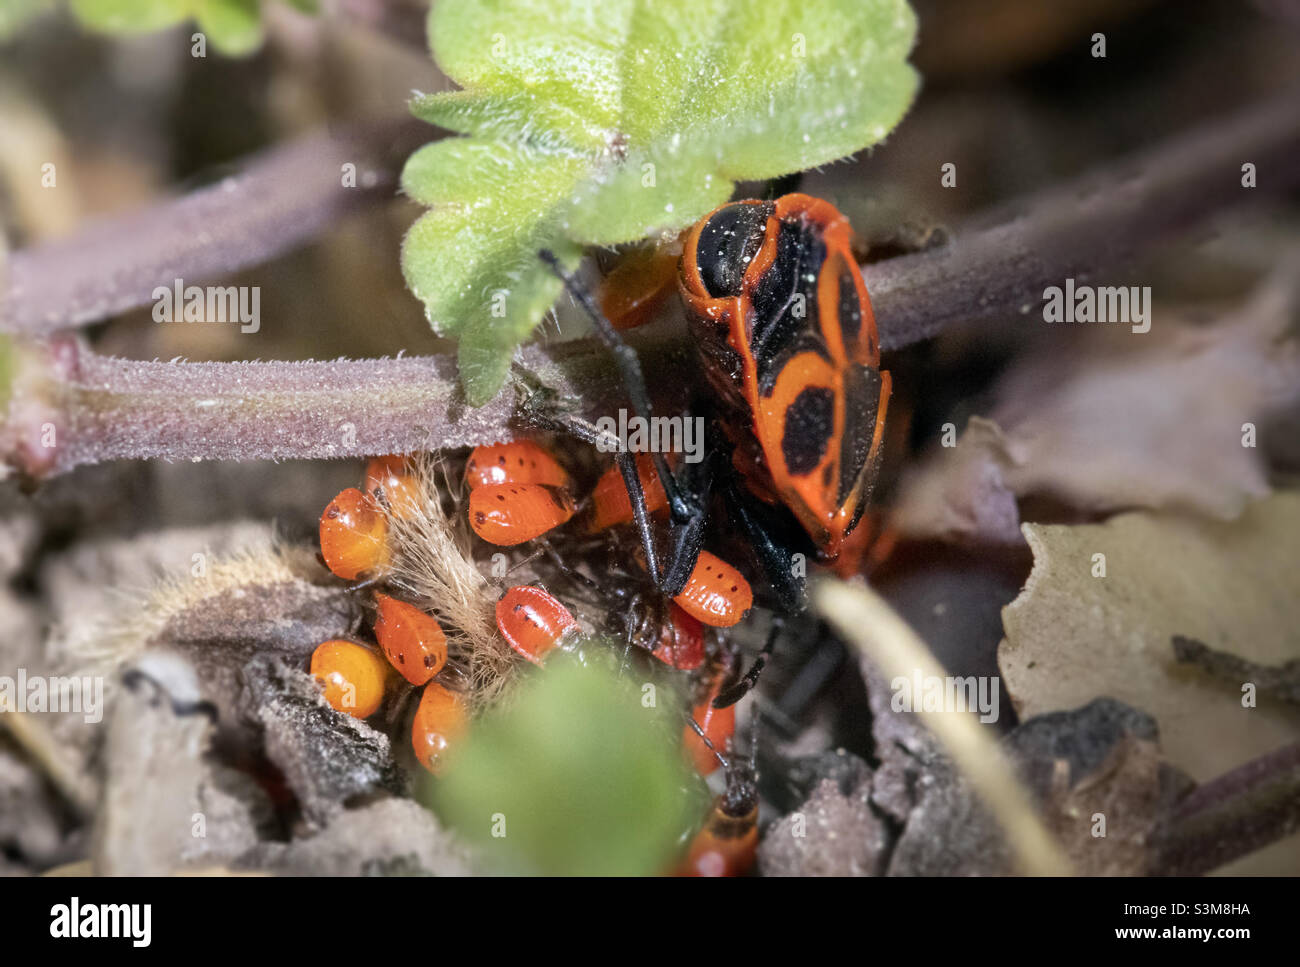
576,777
234,27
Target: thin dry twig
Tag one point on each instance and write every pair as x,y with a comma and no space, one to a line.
51,757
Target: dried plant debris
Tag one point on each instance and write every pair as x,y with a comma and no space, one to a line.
255,605
1229,823
36,830
98,617
1170,418
229,594
1281,682
164,805
109,597
1095,774
327,758
1102,783
835,832
391,837
1103,602
963,491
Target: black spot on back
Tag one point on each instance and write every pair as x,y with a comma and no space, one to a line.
728,243
809,423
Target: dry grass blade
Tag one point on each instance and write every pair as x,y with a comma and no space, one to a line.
871,626
46,752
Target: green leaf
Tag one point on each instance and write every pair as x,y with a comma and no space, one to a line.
232,26
485,351
564,53
585,779
619,120
130,16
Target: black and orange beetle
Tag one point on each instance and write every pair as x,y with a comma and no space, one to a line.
783,324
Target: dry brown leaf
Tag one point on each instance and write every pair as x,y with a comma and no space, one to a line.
1112,420
1071,637
963,491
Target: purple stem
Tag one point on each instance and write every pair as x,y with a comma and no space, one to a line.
104,408
1002,262
1228,817
280,200
110,409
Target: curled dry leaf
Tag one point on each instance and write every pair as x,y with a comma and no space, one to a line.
1128,420
1072,636
963,491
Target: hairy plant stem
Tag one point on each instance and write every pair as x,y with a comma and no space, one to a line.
105,409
